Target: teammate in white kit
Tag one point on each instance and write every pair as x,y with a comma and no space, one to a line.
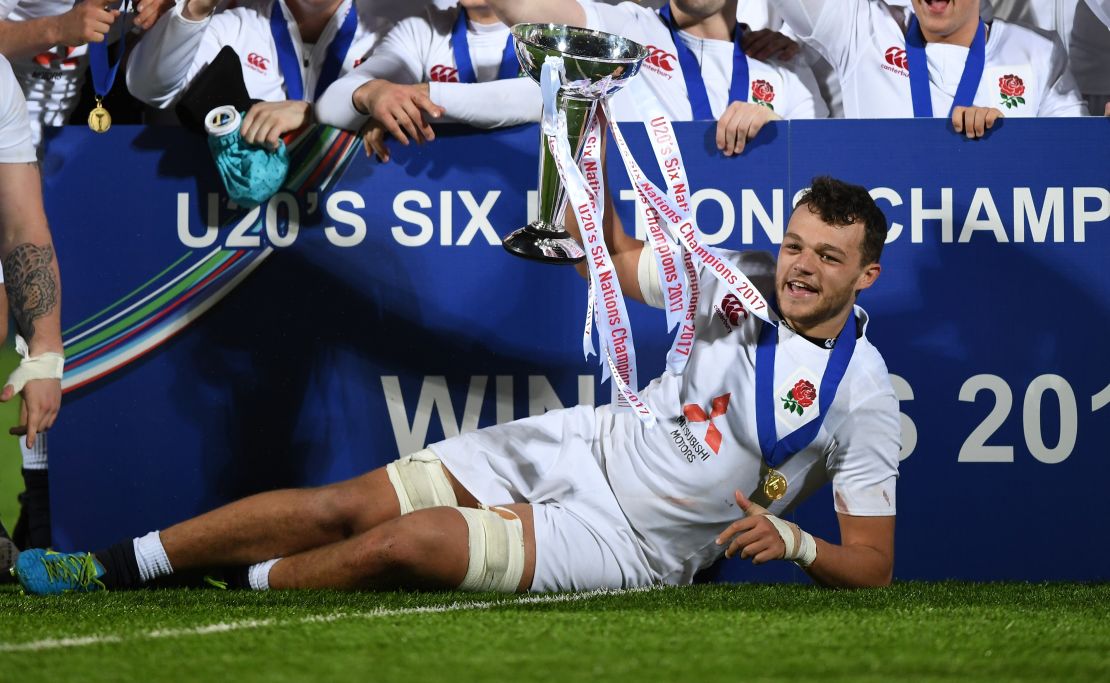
1101,10
47,43
452,65
32,281
695,66
589,497
1085,38
976,73
290,51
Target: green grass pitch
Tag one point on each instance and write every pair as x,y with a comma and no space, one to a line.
737,633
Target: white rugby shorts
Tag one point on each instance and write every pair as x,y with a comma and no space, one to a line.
554,462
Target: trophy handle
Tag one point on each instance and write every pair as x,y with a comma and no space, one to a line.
546,239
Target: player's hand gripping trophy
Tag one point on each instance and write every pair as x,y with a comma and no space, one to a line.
595,66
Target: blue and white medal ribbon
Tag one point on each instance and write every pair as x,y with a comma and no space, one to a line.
104,72
691,70
776,451
919,70
290,65
460,46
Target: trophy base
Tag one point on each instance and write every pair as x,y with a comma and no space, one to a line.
539,242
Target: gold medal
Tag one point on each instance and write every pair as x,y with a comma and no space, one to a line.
774,484
99,118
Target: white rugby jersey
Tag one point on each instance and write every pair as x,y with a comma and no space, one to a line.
51,80
1075,22
675,482
792,86
865,43
175,49
419,50
15,128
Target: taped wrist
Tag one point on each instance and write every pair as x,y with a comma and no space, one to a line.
47,365
800,546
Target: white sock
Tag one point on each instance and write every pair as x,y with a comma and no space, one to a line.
33,458
151,557
259,575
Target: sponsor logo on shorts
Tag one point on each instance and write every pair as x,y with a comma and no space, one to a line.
258,62
684,439
897,62
730,312
441,73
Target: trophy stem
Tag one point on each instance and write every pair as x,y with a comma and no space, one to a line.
580,113
546,239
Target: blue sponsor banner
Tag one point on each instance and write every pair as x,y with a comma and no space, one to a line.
370,309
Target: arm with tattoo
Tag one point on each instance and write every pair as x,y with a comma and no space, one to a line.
31,279
34,292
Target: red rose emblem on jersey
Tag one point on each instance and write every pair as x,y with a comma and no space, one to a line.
441,73
763,93
800,397
1011,88
660,58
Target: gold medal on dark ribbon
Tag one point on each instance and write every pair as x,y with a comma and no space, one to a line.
99,118
774,484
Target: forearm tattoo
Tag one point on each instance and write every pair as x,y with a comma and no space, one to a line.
32,285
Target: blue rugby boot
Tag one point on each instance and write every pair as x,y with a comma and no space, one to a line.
45,572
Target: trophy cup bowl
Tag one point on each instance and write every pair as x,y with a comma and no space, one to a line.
596,65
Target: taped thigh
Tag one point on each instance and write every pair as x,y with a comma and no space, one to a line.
496,550
420,482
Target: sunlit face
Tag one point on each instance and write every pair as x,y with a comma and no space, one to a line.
819,273
942,18
473,4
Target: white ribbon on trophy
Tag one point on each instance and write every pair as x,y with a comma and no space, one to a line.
675,207
586,197
677,244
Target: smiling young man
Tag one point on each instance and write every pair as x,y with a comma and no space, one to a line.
968,71
761,417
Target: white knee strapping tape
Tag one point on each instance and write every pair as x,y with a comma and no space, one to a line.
496,550
800,545
420,482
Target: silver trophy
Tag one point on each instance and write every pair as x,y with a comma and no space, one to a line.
596,65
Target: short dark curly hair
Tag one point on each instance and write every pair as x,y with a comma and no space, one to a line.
839,203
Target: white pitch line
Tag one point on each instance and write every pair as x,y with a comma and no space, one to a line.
60,643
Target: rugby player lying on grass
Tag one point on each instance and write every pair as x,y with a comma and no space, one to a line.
586,498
